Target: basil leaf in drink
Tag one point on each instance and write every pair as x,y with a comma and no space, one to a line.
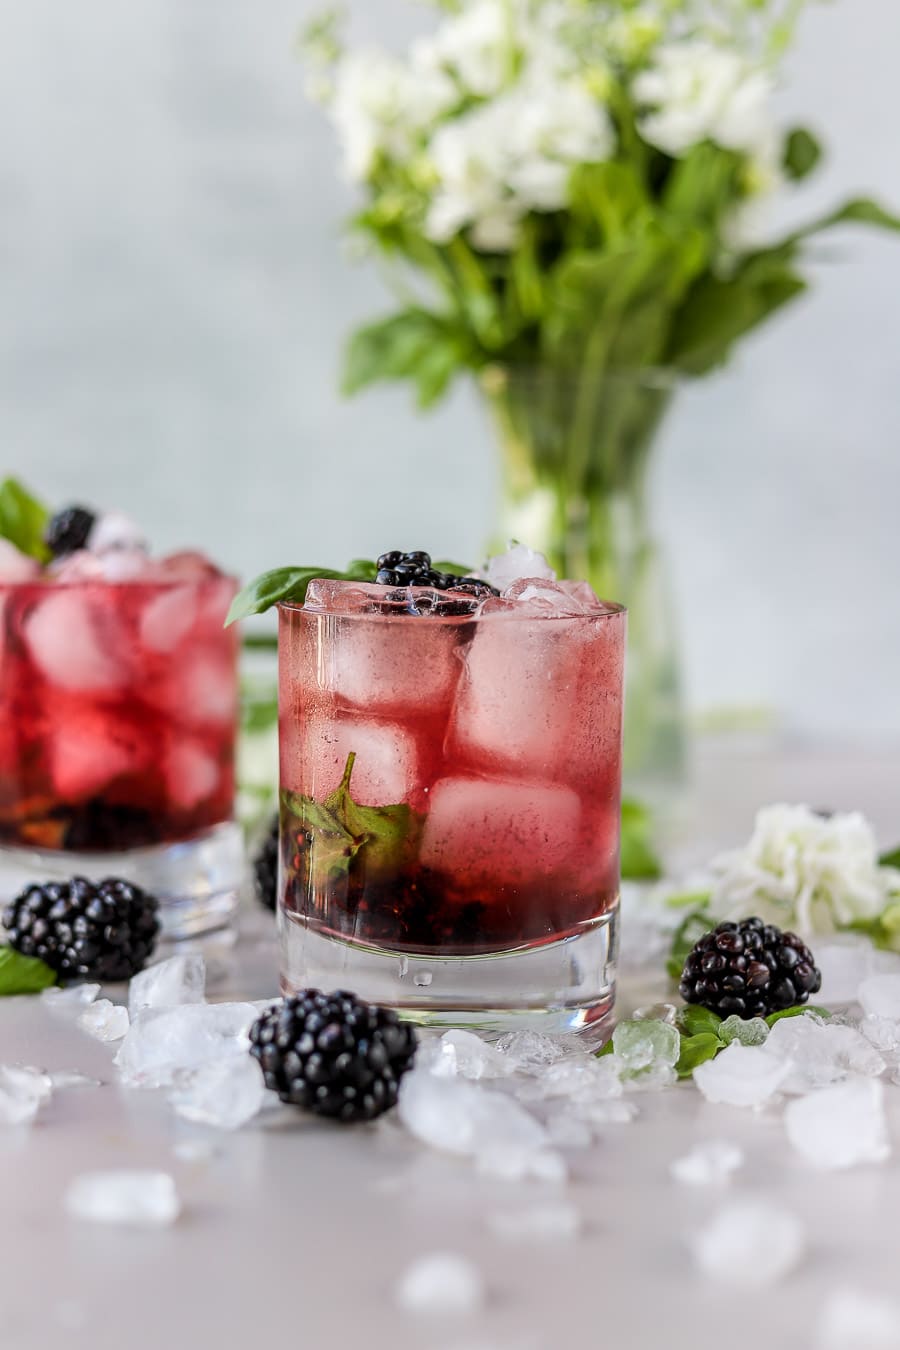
23,520
23,974
289,584
332,847
386,832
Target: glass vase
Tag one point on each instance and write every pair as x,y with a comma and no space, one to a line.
576,455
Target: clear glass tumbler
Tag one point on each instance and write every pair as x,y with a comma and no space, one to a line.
117,739
450,804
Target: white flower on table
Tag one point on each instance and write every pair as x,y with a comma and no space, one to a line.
479,47
381,105
695,91
804,870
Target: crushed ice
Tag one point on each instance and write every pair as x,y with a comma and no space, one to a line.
441,1283
749,1243
139,1198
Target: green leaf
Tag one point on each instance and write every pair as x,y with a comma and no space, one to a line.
414,344
797,1011
802,153
23,520
702,185
333,847
859,211
458,569
695,1019
718,311
23,974
696,1050
891,858
692,927
289,584
639,860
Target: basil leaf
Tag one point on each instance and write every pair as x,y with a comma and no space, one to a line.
797,1011
457,569
387,832
695,1019
23,520
23,974
891,858
289,584
696,1050
639,860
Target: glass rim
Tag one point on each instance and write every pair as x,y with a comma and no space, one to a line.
612,609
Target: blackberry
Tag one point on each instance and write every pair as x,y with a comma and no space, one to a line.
265,867
102,930
749,968
415,569
333,1055
68,530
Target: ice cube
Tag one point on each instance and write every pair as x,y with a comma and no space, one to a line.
194,1150
70,1078
16,567
500,833
385,771
225,1094
120,565
23,1091
188,564
845,961
441,1283
162,1042
749,1243
840,1126
104,1020
645,1045
91,747
168,984
467,1055
460,1117
69,646
200,689
708,1164
530,1051
881,1032
656,1012
853,1320
742,1075
168,618
568,1131
541,697
192,773
820,1053
581,1079
537,1223
141,1198
552,599
518,562
749,1031
384,663
71,1000
879,995
115,530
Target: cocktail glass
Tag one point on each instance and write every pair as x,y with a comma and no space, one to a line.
117,737
450,801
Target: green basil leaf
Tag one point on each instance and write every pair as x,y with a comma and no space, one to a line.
387,833
797,1011
696,1050
23,520
23,974
695,1019
891,858
289,584
457,569
639,860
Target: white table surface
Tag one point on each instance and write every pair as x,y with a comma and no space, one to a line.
295,1233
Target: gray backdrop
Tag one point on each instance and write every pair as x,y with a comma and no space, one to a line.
174,297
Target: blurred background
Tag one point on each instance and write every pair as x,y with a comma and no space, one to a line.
175,295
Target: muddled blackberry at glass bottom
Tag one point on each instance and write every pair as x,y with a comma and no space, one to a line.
450,798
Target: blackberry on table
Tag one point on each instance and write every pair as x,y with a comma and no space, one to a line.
333,1054
69,530
265,867
102,930
749,968
415,569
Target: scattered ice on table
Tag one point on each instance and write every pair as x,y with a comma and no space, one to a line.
840,1126
142,1198
708,1164
749,1031
845,961
853,1320
68,1078
579,1079
22,1093
164,1042
537,1223
749,1243
465,1054
568,1131
879,995
656,1012
441,1282
742,1075
488,1125
517,562
71,1000
882,1032
820,1053
194,1150
530,1051
104,1020
645,1048
226,1093
168,984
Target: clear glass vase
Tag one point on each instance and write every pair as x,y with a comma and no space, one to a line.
575,456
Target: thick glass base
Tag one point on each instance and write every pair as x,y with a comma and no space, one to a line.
196,881
561,986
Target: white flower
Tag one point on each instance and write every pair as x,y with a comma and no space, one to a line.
804,871
477,46
697,91
749,223
381,105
